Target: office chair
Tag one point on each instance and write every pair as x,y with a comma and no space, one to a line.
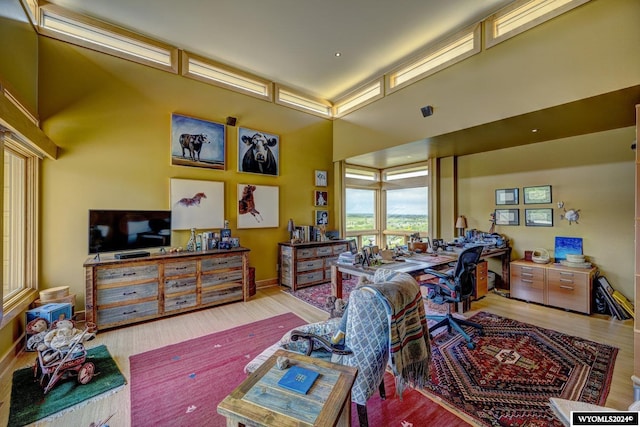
454,286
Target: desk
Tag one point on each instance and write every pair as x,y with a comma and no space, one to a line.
411,265
259,401
417,263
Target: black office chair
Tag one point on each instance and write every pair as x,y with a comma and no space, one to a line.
455,286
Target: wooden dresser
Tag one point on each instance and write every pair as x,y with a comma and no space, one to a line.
553,284
124,291
309,263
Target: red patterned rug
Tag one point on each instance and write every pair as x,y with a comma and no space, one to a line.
508,378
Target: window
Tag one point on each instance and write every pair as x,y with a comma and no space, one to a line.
19,274
406,210
360,215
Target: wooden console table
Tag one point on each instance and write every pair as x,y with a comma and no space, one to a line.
124,291
259,401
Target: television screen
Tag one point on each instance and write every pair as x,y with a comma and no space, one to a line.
120,230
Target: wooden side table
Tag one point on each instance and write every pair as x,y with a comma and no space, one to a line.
259,401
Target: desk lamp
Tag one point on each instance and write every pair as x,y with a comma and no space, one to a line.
461,224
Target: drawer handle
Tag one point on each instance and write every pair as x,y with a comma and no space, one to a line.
129,293
130,312
566,273
527,274
181,268
527,281
570,288
181,302
179,285
566,280
527,268
133,273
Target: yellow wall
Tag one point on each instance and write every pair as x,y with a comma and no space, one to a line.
111,119
593,173
19,66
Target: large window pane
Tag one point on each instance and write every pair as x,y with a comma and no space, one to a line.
360,209
14,237
407,210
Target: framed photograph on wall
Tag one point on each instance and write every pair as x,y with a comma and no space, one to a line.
540,194
322,217
321,178
320,198
257,206
538,217
507,196
196,142
258,152
196,204
507,216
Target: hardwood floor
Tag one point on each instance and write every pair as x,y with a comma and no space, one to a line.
271,301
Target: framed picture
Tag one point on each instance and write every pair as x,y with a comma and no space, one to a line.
322,217
196,204
507,196
257,206
538,217
258,152
320,198
507,216
539,194
321,178
196,142
567,245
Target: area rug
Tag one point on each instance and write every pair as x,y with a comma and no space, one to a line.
508,378
29,403
182,384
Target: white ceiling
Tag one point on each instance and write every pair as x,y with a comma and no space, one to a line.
293,42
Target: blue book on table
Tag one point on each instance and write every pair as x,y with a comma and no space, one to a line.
298,379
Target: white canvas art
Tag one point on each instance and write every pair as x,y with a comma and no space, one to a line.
257,206
196,204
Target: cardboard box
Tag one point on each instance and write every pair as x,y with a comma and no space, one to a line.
39,322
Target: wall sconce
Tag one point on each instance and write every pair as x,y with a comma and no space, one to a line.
461,224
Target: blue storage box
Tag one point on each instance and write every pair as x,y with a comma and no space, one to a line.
40,320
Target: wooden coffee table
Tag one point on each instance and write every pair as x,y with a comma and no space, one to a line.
259,401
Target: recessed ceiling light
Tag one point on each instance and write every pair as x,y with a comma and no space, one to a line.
338,54
534,130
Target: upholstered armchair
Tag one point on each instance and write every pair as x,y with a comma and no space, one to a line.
379,318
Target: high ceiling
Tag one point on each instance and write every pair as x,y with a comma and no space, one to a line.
294,42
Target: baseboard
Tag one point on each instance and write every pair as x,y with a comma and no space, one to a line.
267,283
10,356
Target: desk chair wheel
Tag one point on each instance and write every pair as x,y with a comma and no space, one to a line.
471,345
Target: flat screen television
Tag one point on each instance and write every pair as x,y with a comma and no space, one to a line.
123,230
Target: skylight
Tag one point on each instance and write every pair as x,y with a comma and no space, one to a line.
359,98
302,102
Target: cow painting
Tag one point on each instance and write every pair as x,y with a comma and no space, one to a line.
259,157
247,205
192,144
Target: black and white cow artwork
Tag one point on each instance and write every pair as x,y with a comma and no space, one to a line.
259,158
193,144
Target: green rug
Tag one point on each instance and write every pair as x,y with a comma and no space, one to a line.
29,403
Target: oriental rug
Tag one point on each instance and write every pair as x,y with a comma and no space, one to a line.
182,384
30,404
508,378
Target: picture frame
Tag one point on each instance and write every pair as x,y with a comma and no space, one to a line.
322,217
257,206
258,152
321,178
507,216
196,204
537,195
197,142
320,198
507,196
538,217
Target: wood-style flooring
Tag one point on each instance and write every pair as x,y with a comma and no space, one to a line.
271,301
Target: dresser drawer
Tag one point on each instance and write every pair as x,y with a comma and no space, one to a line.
182,284
569,290
219,278
178,302
324,250
106,296
527,289
527,272
338,249
306,253
314,276
232,293
218,263
127,313
132,273
179,268
312,264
